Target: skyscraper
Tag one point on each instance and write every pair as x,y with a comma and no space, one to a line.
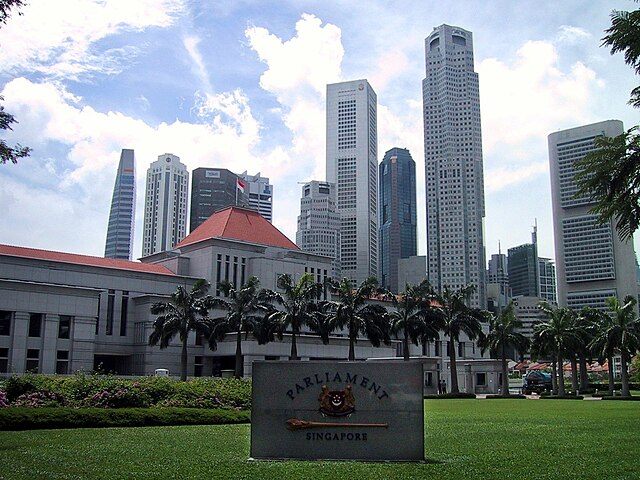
165,204
352,150
260,194
592,263
547,271
213,189
453,163
398,219
319,222
123,209
524,277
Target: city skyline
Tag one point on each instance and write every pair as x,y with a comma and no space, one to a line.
250,96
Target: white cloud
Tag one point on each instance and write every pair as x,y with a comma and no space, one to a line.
200,70
504,177
55,38
570,34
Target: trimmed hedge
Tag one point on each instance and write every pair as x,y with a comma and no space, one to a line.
511,396
24,418
561,397
619,397
443,396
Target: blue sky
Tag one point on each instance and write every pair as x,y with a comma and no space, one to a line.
241,85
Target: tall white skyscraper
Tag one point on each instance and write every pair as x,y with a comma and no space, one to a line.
259,192
165,204
319,222
453,163
592,263
352,165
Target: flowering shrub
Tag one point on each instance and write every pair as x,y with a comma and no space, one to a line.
3,400
118,397
39,399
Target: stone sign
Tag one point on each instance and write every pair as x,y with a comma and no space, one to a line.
337,410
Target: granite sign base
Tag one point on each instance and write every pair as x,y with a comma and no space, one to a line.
318,410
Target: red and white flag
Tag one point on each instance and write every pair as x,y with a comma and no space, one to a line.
241,185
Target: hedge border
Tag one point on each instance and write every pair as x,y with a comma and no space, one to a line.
444,396
24,418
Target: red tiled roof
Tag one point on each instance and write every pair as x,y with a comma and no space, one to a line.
239,224
24,252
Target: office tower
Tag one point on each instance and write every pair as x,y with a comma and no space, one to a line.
123,209
165,204
453,163
498,271
260,194
352,151
524,278
397,236
592,263
547,271
319,222
213,189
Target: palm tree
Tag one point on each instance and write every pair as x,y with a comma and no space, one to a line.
458,317
184,313
558,336
587,320
503,334
245,309
622,334
416,316
299,302
354,312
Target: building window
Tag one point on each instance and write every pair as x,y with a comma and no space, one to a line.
111,299
461,349
33,360
437,345
62,362
35,324
4,360
5,323
64,326
198,366
124,313
428,379
481,379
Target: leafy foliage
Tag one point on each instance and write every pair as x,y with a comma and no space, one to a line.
622,36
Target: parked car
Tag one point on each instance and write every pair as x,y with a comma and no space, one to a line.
536,382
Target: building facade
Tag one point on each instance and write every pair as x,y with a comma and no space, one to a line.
547,271
398,218
165,204
453,163
524,278
352,165
319,223
123,209
213,189
592,263
260,194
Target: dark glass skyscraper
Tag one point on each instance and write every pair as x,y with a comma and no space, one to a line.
397,237
122,215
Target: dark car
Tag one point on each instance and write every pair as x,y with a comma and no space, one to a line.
536,382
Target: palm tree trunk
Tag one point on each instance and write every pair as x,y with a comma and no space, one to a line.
610,375
554,378
574,374
505,375
453,368
584,375
405,345
183,359
239,372
560,376
294,347
624,375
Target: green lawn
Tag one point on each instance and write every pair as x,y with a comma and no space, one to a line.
464,439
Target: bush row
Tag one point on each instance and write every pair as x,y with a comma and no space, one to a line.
441,396
104,391
24,418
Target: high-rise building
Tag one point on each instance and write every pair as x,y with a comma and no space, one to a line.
213,189
498,271
319,223
165,204
398,220
524,278
592,263
352,151
260,194
547,271
453,163
123,209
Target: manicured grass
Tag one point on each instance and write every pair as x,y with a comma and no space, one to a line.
464,439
